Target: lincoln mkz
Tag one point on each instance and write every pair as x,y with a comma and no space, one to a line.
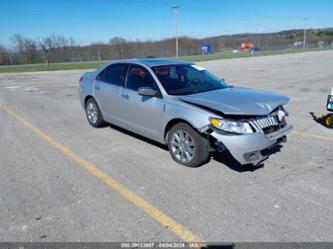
184,106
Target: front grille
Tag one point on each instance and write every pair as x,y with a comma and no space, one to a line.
266,124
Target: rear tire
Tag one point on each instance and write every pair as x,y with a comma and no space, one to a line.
187,146
94,114
329,120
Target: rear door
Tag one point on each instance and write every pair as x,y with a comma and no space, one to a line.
142,113
107,90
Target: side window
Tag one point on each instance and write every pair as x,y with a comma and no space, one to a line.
114,74
139,77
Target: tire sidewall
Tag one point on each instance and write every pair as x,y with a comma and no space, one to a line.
200,143
99,121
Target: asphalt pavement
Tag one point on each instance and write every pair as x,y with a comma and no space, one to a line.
47,195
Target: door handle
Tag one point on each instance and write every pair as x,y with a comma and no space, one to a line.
125,96
97,88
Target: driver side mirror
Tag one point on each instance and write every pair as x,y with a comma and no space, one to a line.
147,91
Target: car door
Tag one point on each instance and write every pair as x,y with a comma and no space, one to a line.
107,90
144,114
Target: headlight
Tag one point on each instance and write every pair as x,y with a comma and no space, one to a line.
231,126
282,113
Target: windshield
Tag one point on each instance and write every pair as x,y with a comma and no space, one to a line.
187,79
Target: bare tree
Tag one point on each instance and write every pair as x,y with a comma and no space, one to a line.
117,41
4,55
58,48
26,49
18,42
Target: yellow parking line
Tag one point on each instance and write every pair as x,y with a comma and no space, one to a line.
304,134
155,213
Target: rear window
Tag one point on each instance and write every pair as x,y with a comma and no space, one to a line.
114,74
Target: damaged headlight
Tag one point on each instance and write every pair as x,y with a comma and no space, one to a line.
231,126
281,113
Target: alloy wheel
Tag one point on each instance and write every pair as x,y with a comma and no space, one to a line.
92,112
182,146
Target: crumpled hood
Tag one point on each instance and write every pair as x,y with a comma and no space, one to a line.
238,101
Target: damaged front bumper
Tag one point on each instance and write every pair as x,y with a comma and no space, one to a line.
249,149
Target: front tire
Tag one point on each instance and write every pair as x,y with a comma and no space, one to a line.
94,114
187,146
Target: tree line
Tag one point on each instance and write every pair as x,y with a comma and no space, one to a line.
57,48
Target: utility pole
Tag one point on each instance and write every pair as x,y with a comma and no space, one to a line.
99,54
73,58
304,36
11,61
176,8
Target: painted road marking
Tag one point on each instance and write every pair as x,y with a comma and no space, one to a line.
154,212
12,88
304,134
31,89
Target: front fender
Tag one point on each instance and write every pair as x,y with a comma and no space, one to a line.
196,117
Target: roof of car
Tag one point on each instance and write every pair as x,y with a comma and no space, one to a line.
154,62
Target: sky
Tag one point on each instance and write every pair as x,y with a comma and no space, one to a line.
89,21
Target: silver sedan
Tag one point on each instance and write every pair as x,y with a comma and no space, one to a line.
186,107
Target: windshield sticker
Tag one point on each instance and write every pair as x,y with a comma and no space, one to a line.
198,67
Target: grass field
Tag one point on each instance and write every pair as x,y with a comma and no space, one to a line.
95,64
248,54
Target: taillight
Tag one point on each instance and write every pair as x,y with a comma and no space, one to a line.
81,78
